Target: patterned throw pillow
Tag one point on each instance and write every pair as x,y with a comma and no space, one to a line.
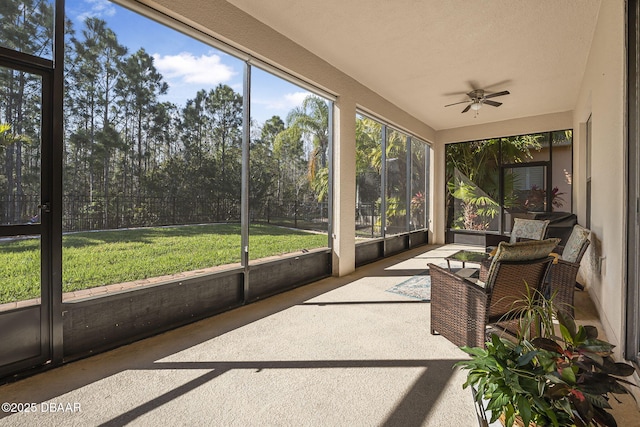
524,251
579,235
528,229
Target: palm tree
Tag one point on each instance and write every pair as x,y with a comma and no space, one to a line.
311,119
473,172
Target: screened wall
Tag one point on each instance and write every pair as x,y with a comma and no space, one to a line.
153,155
153,147
153,177
491,182
392,170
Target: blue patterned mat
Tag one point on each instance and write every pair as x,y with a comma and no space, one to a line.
418,287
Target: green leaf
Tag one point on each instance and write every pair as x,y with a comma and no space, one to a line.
582,406
604,418
594,357
547,344
568,375
580,337
623,370
558,391
592,331
565,405
510,415
597,400
475,351
526,358
553,378
524,408
568,323
602,348
552,416
566,335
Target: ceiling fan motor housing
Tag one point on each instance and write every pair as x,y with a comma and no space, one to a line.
478,98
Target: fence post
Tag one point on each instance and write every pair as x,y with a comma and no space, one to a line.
173,210
117,211
373,217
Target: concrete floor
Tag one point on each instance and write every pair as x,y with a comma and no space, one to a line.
338,352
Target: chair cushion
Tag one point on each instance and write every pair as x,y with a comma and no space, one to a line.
524,251
572,249
520,251
528,228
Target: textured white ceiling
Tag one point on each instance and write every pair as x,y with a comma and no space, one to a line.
424,54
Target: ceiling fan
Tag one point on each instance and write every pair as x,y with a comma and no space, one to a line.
477,98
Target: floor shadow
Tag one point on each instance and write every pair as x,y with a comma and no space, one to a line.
142,355
364,302
411,411
420,399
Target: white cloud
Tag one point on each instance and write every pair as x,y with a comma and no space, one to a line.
265,106
285,102
186,68
295,99
97,9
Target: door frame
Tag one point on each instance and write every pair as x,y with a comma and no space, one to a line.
632,324
50,227
26,324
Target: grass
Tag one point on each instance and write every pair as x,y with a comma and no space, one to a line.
92,259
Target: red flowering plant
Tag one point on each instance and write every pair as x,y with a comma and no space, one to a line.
536,198
556,200
417,209
417,203
546,380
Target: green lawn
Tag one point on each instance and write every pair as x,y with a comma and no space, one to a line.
93,259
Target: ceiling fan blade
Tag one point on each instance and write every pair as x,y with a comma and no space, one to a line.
492,103
456,103
502,83
466,108
493,95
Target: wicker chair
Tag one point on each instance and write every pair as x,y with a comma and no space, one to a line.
563,272
461,309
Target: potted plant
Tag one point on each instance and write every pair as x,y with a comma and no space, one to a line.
540,379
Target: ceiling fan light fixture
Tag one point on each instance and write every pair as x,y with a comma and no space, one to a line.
475,106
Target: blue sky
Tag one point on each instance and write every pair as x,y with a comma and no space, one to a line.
188,65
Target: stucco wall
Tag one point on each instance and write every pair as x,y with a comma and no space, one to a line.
602,96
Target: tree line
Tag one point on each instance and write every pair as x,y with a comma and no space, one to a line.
126,150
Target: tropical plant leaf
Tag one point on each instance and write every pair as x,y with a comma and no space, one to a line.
592,331
597,346
580,337
582,407
549,380
619,369
597,400
568,375
524,409
547,344
589,359
567,321
604,418
475,351
510,415
526,358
